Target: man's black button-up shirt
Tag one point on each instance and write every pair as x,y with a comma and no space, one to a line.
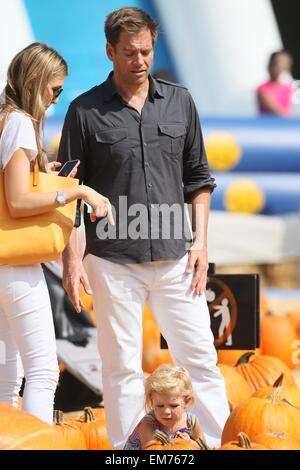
147,164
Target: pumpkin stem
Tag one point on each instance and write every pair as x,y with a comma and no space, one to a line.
58,417
285,400
244,359
202,444
278,382
162,437
274,397
89,416
244,441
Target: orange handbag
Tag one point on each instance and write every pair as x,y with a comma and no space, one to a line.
39,238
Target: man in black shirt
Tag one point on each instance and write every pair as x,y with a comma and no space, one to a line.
140,144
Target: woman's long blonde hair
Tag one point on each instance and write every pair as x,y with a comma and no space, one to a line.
168,379
28,75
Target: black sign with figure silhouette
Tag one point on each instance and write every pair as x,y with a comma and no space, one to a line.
233,302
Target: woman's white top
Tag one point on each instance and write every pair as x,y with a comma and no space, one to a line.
18,133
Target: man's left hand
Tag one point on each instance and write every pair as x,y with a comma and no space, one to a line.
198,264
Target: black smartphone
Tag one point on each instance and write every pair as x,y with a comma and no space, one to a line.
68,168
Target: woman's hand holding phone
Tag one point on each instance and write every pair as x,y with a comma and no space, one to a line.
69,169
53,167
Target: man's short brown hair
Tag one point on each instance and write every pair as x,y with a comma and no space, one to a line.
131,20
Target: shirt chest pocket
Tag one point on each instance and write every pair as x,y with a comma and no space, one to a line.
171,138
112,143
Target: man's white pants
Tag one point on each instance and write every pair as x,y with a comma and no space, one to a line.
119,294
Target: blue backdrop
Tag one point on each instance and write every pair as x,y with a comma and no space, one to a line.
76,29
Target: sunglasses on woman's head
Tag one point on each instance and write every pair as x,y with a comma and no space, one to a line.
56,90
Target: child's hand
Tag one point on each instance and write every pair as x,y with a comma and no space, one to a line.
183,435
202,443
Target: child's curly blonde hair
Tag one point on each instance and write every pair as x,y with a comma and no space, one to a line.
168,379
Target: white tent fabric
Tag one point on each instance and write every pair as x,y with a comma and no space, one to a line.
221,49
236,239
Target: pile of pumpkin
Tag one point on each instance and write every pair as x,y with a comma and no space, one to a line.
21,431
264,401
265,413
261,391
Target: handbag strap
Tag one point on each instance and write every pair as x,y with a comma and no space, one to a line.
3,122
36,171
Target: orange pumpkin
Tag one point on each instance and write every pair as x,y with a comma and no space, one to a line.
93,429
291,394
163,442
231,356
71,433
237,388
153,355
61,367
278,337
262,415
99,413
277,441
86,299
263,303
22,431
261,371
294,319
175,444
93,317
243,443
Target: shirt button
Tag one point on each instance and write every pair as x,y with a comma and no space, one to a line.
147,164
150,185
145,144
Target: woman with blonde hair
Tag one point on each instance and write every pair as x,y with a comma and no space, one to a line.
168,397
27,341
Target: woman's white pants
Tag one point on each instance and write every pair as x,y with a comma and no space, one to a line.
119,294
27,339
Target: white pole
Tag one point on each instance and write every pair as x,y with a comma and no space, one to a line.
15,33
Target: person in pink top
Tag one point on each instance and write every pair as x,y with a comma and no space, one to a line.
275,95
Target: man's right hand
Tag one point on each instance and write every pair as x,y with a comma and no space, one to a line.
74,276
